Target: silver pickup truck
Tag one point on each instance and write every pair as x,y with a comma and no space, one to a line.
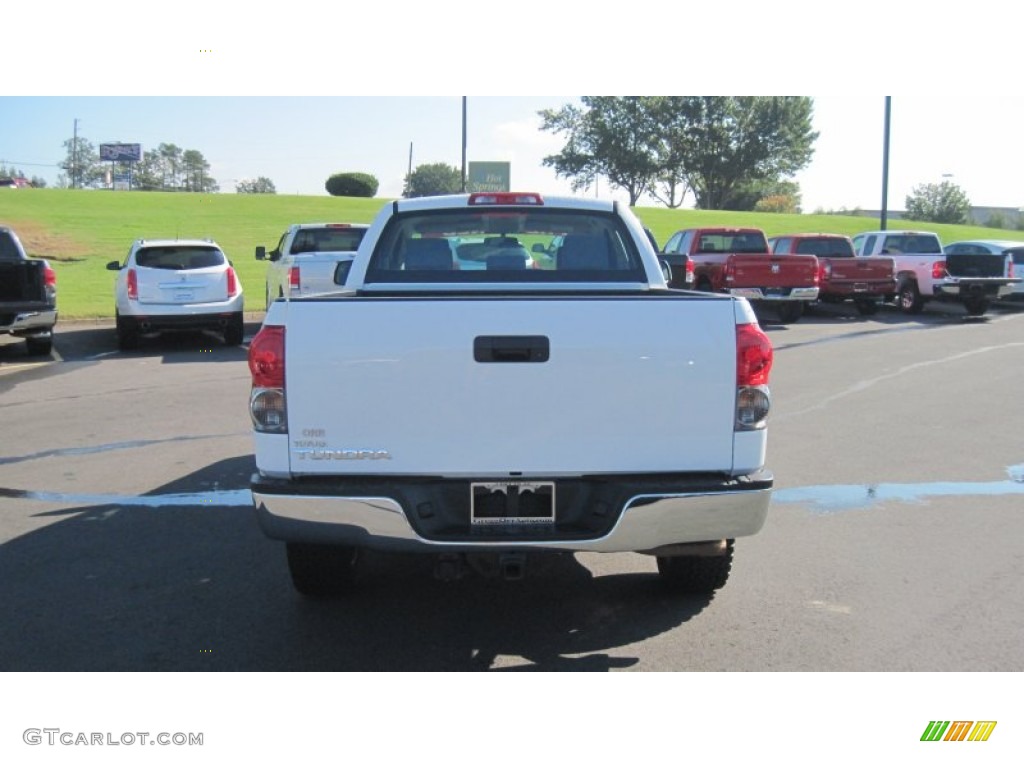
310,259
575,405
28,295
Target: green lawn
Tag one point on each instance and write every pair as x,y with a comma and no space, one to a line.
79,231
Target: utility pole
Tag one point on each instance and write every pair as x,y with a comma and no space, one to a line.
885,165
408,178
74,157
463,143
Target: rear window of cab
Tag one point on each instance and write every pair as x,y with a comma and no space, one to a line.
495,245
179,257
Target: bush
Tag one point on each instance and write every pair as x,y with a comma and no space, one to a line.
777,204
352,185
996,221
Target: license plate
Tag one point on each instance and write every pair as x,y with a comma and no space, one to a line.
774,292
183,296
512,503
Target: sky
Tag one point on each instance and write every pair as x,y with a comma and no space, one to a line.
261,99
298,142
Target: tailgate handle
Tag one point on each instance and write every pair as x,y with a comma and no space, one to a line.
511,349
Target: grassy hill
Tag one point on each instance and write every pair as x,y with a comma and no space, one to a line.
79,231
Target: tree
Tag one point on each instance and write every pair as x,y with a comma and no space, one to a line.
730,142
170,164
615,137
943,203
669,145
260,186
197,172
81,163
433,179
353,185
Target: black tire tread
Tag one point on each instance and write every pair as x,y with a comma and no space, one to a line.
696,575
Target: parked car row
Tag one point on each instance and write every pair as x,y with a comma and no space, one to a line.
794,271
191,284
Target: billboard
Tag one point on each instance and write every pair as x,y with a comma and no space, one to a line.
489,177
121,152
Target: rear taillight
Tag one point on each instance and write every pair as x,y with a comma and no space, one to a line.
730,272
266,364
293,277
232,282
689,272
824,272
50,283
938,270
133,284
754,357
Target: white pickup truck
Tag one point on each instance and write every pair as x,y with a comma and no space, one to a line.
578,406
310,258
924,272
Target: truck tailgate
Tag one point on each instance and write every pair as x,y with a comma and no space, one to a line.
478,386
859,270
773,270
22,285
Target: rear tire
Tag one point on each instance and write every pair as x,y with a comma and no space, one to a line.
909,298
976,306
40,345
234,331
321,570
790,311
866,307
127,335
694,574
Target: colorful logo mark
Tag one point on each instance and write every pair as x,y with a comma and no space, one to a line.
958,730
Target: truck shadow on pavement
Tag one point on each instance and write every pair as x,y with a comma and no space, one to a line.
183,579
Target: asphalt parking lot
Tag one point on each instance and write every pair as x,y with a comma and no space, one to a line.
127,539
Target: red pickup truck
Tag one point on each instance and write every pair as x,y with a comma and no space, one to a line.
738,261
867,281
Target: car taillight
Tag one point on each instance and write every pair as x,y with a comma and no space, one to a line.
689,272
266,364
266,357
730,272
49,277
293,277
938,270
133,284
754,357
824,271
232,282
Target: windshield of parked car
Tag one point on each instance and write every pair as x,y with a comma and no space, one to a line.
179,257
330,238
829,247
732,242
522,245
912,243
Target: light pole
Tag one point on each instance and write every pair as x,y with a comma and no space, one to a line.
885,165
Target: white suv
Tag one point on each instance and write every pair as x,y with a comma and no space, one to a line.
176,284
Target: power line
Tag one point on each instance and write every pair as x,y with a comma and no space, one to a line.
34,165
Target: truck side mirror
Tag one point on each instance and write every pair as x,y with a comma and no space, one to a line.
114,266
261,253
